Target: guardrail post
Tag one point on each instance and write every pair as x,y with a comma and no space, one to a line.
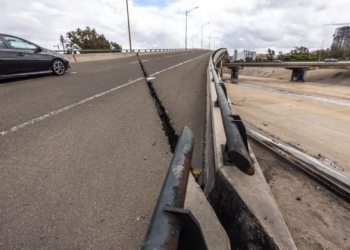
171,226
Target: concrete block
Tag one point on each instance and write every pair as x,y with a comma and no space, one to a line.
214,234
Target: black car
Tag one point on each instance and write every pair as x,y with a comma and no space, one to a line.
19,57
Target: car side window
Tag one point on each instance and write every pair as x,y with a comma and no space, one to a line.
2,44
18,43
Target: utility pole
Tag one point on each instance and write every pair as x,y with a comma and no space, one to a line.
319,57
127,10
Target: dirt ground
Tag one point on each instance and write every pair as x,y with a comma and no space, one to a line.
316,217
320,219
319,128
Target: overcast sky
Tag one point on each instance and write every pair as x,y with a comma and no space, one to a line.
238,24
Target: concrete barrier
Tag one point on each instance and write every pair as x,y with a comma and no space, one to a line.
243,203
109,56
97,56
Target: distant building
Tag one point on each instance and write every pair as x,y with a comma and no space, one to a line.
341,37
244,54
261,57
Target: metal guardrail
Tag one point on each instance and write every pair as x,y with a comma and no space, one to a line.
286,64
236,137
118,51
171,226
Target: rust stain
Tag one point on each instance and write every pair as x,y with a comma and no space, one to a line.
183,183
172,243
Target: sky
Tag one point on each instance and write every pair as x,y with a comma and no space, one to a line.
160,24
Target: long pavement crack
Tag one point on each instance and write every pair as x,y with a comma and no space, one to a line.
162,112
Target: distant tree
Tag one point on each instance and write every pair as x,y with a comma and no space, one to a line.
337,52
90,39
270,54
116,46
299,51
249,59
347,54
63,41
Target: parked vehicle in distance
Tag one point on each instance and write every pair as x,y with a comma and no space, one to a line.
330,60
19,57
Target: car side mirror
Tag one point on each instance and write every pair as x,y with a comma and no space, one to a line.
37,50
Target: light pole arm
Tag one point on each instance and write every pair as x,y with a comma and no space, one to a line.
187,11
202,35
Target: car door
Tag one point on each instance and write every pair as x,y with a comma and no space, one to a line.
30,58
9,61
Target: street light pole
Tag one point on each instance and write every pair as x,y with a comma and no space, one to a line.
319,57
127,10
187,11
202,35
210,37
215,42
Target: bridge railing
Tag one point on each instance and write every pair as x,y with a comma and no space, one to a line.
171,226
236,137
85,51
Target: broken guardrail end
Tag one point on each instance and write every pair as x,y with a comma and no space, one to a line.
242,163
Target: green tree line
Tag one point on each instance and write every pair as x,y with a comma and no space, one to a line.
88,39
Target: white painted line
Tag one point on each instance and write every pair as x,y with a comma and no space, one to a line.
15,128
134,62
70,73
144,61
178,65
150,78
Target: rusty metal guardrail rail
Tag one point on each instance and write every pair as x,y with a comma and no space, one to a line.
236,137
171,226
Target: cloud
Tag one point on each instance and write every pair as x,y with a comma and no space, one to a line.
239,24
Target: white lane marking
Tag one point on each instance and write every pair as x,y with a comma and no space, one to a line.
144,61
169,56
150,78
134,62
15,128
177,65
70,73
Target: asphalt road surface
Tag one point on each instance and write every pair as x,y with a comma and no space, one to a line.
83,156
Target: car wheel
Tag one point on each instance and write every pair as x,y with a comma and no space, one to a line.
58,67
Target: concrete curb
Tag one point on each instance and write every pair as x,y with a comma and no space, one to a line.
244,204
